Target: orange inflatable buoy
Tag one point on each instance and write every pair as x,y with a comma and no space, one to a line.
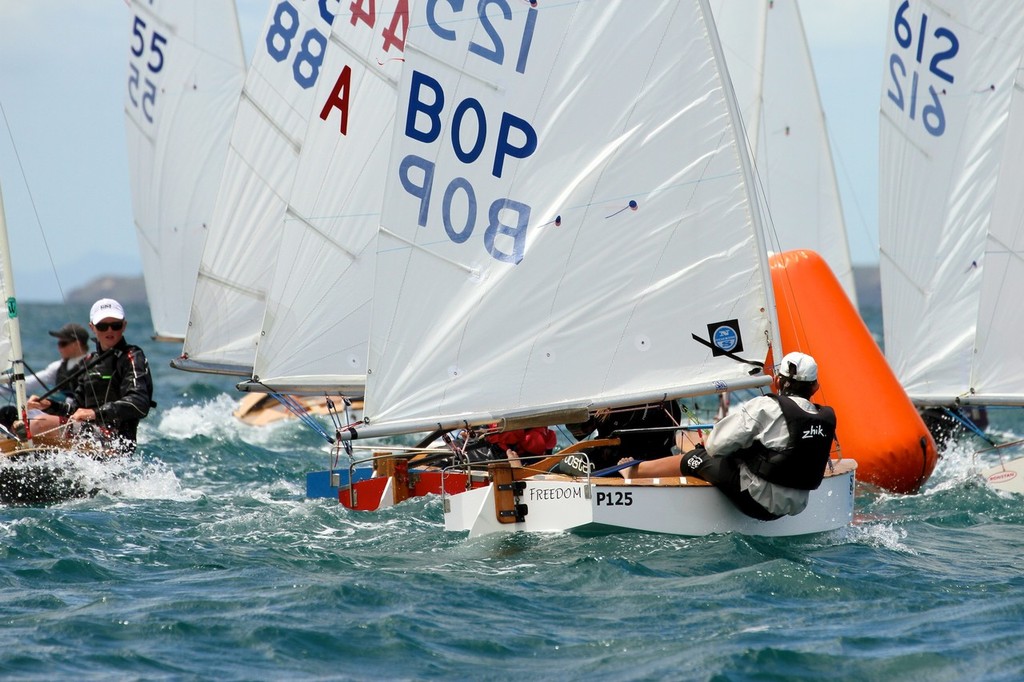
877,425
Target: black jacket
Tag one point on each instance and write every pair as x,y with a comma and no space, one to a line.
119,388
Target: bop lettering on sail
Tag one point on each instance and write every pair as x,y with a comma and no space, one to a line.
460,138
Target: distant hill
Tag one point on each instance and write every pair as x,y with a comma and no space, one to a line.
127,290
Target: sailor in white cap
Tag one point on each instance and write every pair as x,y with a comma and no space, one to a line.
116,390
767,454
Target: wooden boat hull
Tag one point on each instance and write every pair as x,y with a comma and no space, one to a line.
677,506
260,409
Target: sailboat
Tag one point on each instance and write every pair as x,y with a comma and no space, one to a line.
185,70
571,225
313,337
24,478
771,70
186,67
951,149
254,219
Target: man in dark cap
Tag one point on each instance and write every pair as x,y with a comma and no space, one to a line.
73,347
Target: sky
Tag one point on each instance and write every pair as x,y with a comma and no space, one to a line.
64,166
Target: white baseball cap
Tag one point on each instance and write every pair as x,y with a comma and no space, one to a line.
799,367
104,308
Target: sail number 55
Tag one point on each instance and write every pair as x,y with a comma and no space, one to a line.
933,50
148,48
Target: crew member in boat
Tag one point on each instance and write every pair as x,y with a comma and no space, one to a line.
652,439
114,392
514,445
767,454
72,346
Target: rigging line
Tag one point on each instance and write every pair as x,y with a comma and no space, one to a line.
969,424
32,201
305,417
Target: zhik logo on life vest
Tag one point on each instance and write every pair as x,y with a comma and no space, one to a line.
815,430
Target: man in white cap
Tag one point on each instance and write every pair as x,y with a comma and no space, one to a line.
767,454
116,390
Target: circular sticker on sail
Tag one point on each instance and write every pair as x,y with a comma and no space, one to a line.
1002,477
725,337
642,343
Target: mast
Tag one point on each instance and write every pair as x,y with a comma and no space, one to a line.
747,166
17,359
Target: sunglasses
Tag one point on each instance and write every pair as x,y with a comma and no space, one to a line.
104,326
65,342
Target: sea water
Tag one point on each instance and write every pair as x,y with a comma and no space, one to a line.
202,559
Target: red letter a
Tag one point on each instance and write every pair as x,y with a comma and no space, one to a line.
339,100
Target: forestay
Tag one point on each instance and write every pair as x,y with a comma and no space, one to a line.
951,205
239,257
567,207
314,335
770,68
185,71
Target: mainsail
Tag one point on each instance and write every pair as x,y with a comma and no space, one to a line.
568,219
244,238
185,71
951,207
315,331
770,67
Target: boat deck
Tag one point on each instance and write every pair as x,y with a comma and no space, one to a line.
838,468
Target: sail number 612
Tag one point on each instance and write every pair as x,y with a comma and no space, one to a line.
904,90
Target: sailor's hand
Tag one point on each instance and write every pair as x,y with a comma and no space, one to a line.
83,414
34,402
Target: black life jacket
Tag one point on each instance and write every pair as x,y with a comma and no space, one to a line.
801,464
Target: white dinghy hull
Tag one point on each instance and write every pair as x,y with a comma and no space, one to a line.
1008,476
677,506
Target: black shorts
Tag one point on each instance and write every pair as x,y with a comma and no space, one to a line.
724,474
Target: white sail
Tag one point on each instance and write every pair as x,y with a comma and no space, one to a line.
244,238
949,206
185,71
568,207
998,375
315,332
770,67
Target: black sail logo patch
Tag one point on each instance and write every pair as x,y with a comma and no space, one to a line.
725,337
